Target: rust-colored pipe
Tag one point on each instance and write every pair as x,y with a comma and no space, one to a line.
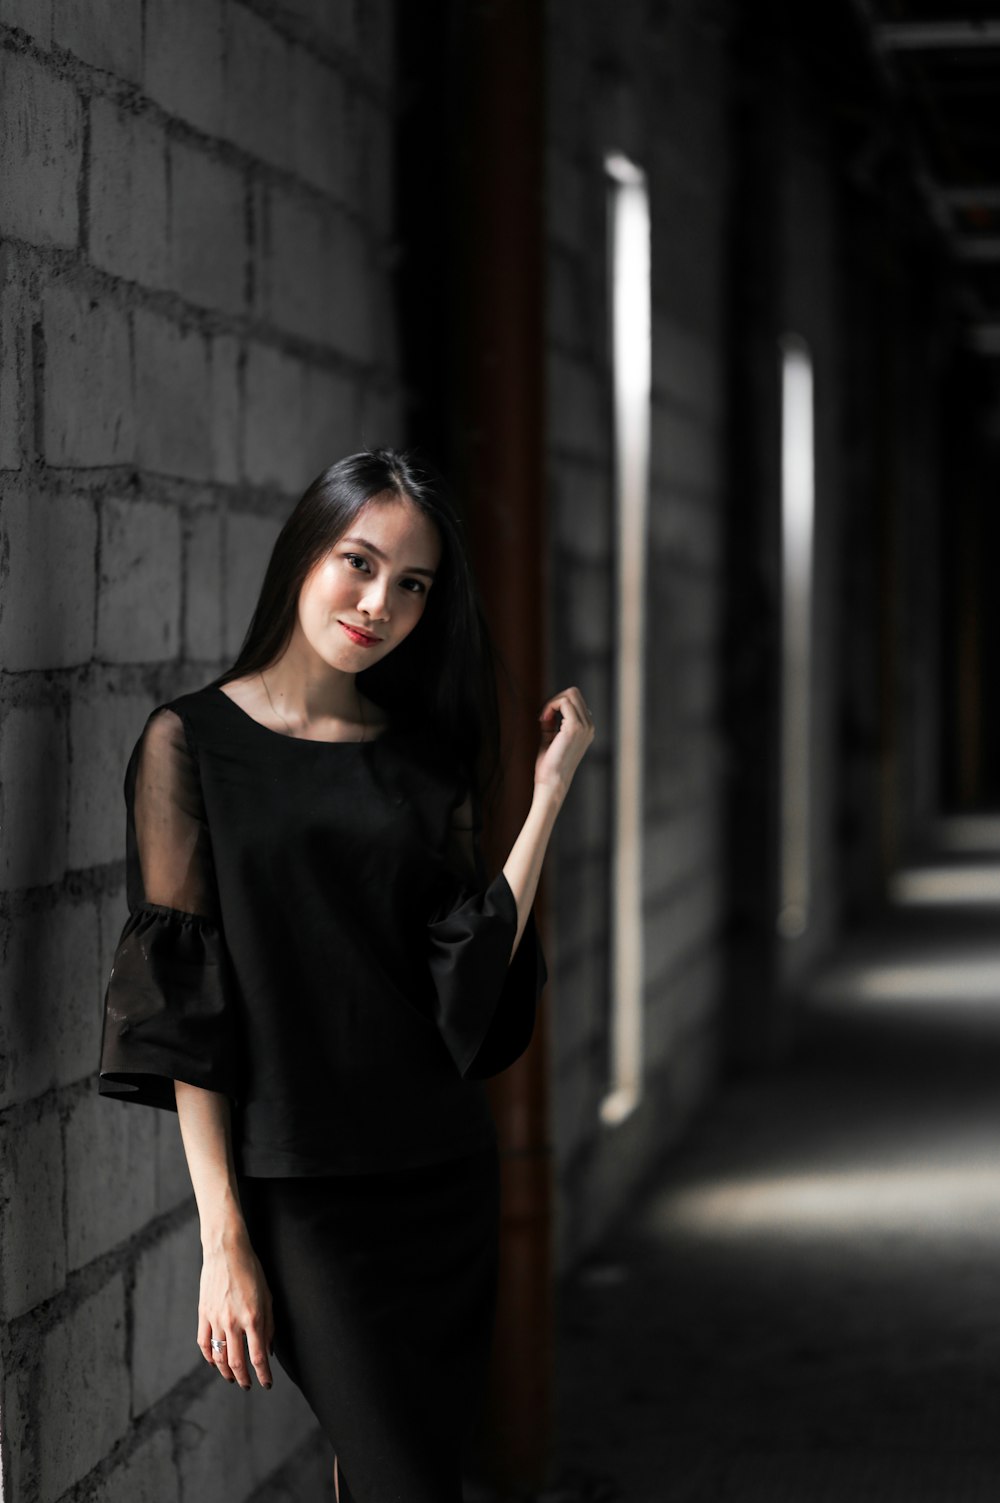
501,460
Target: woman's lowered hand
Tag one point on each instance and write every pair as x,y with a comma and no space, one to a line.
234,1301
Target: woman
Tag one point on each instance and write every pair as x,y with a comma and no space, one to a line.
316,974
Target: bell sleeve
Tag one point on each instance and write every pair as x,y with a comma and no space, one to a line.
170,1004
486,999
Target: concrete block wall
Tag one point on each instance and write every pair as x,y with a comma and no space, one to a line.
859,278
649,81
896,335
922,481
195,318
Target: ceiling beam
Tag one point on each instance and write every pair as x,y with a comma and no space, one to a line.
885,65
936,36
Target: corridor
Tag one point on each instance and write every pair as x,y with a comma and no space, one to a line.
688,313
806,1306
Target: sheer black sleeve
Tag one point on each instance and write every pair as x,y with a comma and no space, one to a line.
486,999
169,1008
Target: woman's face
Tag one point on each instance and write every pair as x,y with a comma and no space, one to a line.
368,593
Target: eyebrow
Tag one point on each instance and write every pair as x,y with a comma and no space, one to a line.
379,554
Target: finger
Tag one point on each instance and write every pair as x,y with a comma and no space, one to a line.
236,1356
581,705
205,1338
555,707
572,708
220,1358
576,696
258,1353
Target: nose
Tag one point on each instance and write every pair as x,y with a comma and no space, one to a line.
374,601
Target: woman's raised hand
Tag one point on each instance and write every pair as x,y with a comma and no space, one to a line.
567,731
234,1300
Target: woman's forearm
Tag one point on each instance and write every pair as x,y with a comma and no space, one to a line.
206,1132
523,866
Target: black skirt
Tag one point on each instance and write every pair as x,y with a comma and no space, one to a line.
384,1294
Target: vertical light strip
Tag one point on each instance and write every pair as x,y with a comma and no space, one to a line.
797,522
631,355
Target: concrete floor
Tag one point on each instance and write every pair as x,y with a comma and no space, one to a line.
806,1306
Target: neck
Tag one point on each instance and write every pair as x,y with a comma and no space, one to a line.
308,691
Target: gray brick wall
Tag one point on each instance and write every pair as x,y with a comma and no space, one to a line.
652,85
195,318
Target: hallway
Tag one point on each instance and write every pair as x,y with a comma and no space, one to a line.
806,1306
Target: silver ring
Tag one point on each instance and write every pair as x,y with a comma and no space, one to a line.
217,1345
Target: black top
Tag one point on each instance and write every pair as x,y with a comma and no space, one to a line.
311,934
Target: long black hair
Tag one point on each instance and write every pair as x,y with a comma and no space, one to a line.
442,676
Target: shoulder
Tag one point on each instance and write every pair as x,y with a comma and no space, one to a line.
173,727
195,709
162,754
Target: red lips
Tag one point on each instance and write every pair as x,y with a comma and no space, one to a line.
362,638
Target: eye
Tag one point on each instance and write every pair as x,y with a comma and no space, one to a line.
415,586
355,558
